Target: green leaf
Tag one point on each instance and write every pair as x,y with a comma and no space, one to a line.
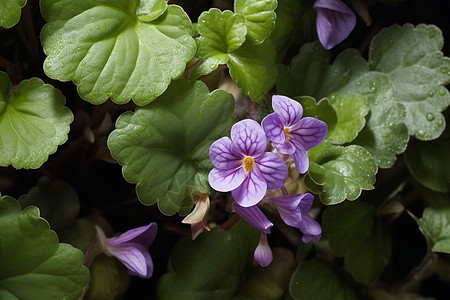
58,203
33,122
342,172
107,51
321,110
435,225
149,10
412,59
213,266
315,279
220,33
164,146
429,162
347,226
351,111
32,262
259,18
10,11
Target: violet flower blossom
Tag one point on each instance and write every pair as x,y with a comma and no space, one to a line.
290,134
334,22
242,166
255,217
131,249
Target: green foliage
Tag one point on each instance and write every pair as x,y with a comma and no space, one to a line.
338,173
315,279
149,10
412,59
435,225
164,146
211,267
10,11
33,265
321,110
33,122
107,51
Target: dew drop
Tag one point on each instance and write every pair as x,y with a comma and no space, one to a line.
374,83
212,66
422,54
358,82
445,70
440,123
432,34
430,116
431,93
421,134
333,97
442,92
372,88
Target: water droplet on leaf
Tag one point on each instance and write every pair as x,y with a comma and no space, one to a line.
430,116
442,92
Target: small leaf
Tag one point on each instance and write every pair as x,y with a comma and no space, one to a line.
33,122
149,10
10,11
259,18
412,58
315,279
342,172
32,263
435,225
321,110
351,111
213,266
108,52
165,145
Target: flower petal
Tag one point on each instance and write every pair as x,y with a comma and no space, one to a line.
306,202
273,169
301,159
135,257
284,148
263,253
287,202
334,22
252,189
144,235
273,128
248,138
254,216
222,155
311,229
309,132
226,180
289,111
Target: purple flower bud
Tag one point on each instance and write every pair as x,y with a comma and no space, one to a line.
290,134
242,166
263,254
334,22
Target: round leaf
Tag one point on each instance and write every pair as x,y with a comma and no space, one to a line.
108,52
164,146
10,11
33,122
435,225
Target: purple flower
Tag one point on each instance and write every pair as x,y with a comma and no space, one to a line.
293,210
255,217
290,134
334,22
242,166
131,248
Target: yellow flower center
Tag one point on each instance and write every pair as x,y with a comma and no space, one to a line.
286,132
249,163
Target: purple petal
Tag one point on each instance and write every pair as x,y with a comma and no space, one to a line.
254,216
226,180
311,229
273,128
284,148
273,169
248,138
144,235
301,159
289,111
252,190
222,155
309,132
287,202
306,202
135,257
263,253
334,22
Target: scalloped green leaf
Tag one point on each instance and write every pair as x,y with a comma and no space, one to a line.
32,262
164,146
220,33
412,58
33,122
108,52
315,279
213,266
149,10
321,110
259,18
429,162
10,11
341,172
435,225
